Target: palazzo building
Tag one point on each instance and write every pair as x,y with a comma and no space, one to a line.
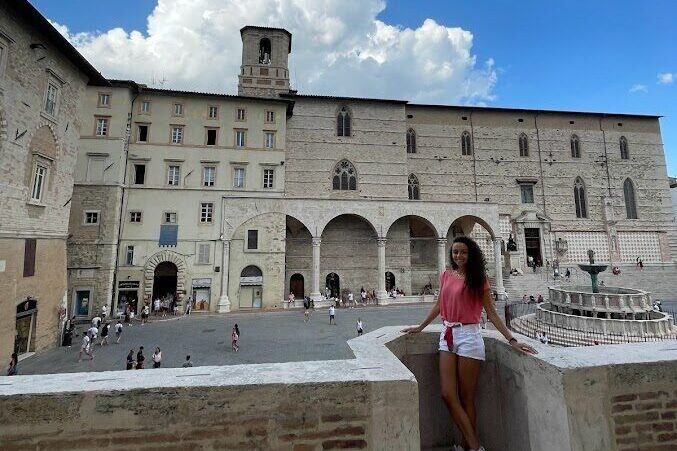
237,200
42,81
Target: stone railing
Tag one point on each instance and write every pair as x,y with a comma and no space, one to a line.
609,301
658,325
386,398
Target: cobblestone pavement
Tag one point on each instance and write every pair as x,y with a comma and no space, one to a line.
266,337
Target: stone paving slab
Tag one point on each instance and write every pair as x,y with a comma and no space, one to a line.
266,337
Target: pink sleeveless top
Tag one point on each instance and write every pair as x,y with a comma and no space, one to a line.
457,303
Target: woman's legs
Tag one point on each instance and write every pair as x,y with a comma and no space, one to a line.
468,373
450,394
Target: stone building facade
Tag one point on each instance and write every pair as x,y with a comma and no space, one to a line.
42,81
236,201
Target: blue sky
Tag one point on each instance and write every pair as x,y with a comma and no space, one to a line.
573,55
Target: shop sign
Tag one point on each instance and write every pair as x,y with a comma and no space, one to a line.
253,280
202,283
129,284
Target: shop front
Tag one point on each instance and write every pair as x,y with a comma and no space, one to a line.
128,295
202,289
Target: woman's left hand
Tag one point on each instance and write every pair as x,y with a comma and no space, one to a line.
523,347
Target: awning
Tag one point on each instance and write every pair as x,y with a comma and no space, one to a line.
168,234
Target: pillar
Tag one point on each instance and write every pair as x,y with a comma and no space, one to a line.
500,290
315,293
224,303
441,255
381,293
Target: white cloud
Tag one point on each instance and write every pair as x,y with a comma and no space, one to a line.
638,88
339,47
666,78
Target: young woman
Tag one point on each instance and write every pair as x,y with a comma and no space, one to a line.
234,336
464,290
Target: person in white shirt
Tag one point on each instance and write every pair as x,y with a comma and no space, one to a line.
86,348
157,358
360,327
350,299
93,332
118,331
363,296
104,312
332,313
156,306
96,321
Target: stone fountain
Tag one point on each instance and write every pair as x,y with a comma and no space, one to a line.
593,269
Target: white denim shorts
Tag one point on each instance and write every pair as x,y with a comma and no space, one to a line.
467,340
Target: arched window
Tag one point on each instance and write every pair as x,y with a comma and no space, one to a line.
630,204
524,145
411,141
575,147
264,51
579,198
345,176
414,193
623,144
343,122
466,144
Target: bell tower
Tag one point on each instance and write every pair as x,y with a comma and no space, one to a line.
265,62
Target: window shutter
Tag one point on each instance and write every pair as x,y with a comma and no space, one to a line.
29,257
346,125
339,125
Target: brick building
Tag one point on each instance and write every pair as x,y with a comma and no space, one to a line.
42,80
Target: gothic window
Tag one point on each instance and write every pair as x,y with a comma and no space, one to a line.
524,145
575,147
414,192
579,198
264,51
466,144
623,143
411,141
630,204
344,177
343,122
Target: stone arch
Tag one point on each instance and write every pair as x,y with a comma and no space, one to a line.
336,214
467,222
231,228
421,218
149,272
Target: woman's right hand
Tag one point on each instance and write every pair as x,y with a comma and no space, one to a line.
412,329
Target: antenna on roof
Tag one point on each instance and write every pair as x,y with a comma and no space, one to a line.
157,82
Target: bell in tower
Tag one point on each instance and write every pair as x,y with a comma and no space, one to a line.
265,62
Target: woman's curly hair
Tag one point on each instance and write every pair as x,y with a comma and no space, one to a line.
475,268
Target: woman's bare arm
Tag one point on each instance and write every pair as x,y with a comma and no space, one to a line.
496,320
434,312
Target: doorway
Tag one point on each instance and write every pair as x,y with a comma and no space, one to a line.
390,281
164,280
26,318
251,287
333,283
81,304
532,243
128,298
296,286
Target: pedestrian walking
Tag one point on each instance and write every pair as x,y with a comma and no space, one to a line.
464,291
130,360
104,333
187,363
104,313
140,359
360,327
156,306
118,331
144,314
157,358
641,264
351,299
68,329
567,275
13,368
96,321
93,333
234,337
85,348
306,309
332,313
363,296
189,305
175,308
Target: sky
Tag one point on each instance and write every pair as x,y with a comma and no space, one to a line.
609,56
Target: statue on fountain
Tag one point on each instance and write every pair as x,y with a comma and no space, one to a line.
591,256
593,269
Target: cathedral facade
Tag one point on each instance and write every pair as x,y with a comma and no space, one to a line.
234,201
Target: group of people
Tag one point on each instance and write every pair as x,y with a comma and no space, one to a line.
531,299
348,298
100,329
165,305
138,362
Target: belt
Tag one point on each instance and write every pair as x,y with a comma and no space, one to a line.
448,335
